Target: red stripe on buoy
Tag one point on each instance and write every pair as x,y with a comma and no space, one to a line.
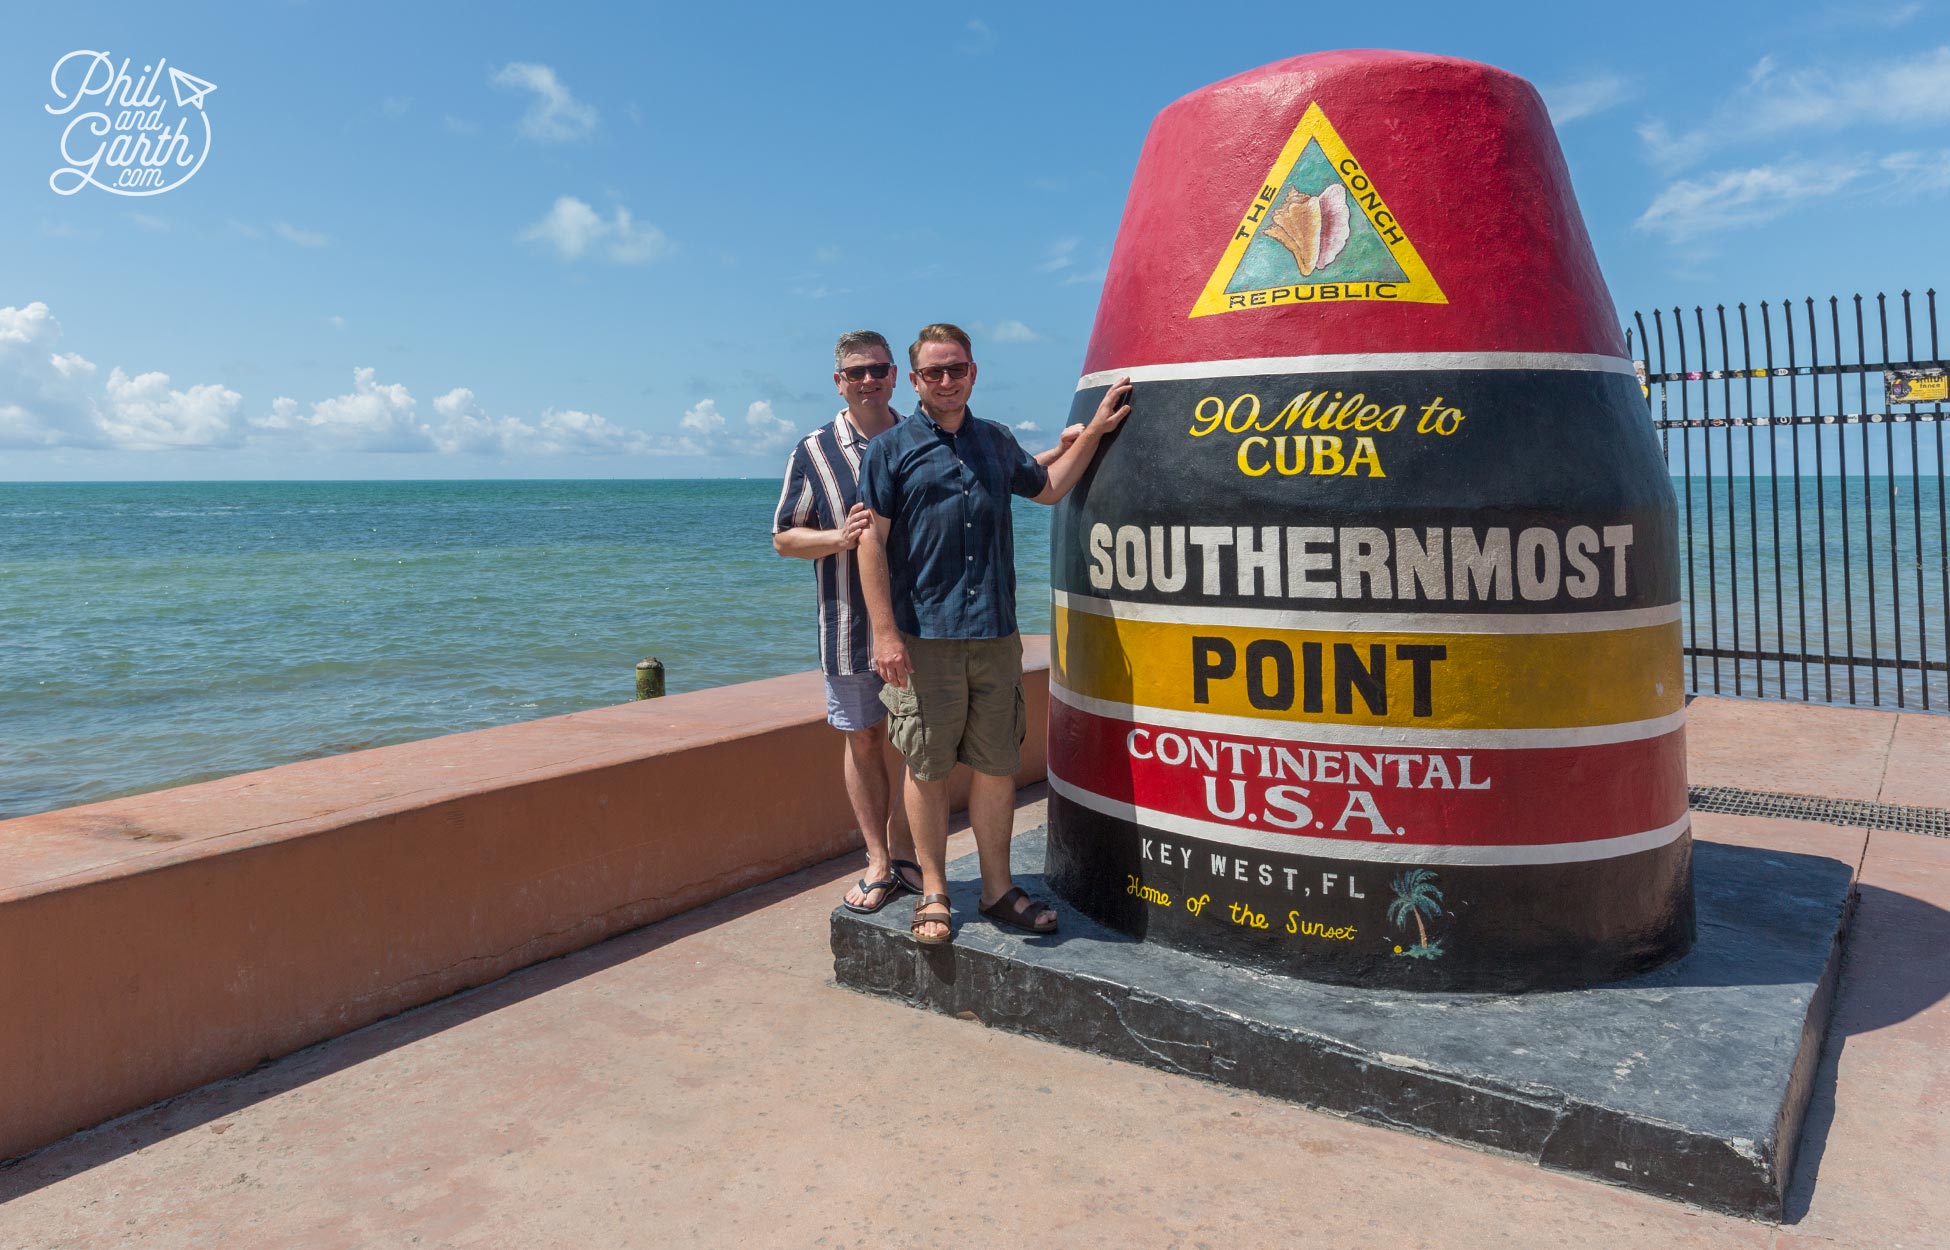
1471,173
1413,796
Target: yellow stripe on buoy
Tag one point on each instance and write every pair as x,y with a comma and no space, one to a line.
1420,680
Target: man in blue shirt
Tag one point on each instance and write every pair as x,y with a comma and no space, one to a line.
820,518
937,567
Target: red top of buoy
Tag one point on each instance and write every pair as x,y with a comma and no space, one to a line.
1352,202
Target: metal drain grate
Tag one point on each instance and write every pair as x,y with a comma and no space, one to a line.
1855,813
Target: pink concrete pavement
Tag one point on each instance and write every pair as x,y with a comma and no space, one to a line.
701,1082
1836,752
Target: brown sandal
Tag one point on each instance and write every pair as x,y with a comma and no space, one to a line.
945,918
1015,909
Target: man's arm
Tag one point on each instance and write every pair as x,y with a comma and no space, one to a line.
1069,467
807,543
877,588
1063,441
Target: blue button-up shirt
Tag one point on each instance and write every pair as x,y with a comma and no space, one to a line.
951,552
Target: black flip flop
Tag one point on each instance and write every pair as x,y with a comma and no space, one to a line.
907,863
890,888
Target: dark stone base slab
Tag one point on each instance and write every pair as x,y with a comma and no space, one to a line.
1689,1082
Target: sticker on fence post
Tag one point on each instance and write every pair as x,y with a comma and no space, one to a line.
1916,386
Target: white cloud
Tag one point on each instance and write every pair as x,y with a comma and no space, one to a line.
1917,172
53,397
1012,331
1061,255
1028,427
149,221
574,433
144,414
303,238
50,398
574,229
335,321
71,364
1739,198
1568,102
372,416
459,125
977,38
765,430
43,402
707,432
630,244
32,324
554,116
703,420
1909,91
1733,199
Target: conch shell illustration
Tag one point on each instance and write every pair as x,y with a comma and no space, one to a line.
1312,227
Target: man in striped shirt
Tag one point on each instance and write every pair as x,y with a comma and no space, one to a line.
820,518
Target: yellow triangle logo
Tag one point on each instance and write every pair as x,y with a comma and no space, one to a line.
1317,231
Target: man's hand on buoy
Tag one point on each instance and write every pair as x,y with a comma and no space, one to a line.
1111,409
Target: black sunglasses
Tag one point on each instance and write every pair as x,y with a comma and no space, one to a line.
934,373
860,373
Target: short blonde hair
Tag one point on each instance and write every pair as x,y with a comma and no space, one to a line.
939,332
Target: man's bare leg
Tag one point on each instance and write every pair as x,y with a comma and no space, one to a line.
992,812
927,817
865,770
900,837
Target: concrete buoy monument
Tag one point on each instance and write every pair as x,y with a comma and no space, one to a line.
1366,651
1365,704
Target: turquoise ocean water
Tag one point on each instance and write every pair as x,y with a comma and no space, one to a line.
158,633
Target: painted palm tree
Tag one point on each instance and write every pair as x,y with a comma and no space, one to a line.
1416,895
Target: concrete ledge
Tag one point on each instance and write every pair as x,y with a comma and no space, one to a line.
157,943
1690,1082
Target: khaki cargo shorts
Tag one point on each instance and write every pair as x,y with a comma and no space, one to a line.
963,702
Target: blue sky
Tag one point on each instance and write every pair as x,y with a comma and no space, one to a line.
607,240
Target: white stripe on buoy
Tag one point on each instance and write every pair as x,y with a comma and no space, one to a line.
1364,362
1372,622
1370,735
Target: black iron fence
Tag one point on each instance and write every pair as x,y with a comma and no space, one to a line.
1805,441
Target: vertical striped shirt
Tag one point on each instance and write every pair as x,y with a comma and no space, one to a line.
822,483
